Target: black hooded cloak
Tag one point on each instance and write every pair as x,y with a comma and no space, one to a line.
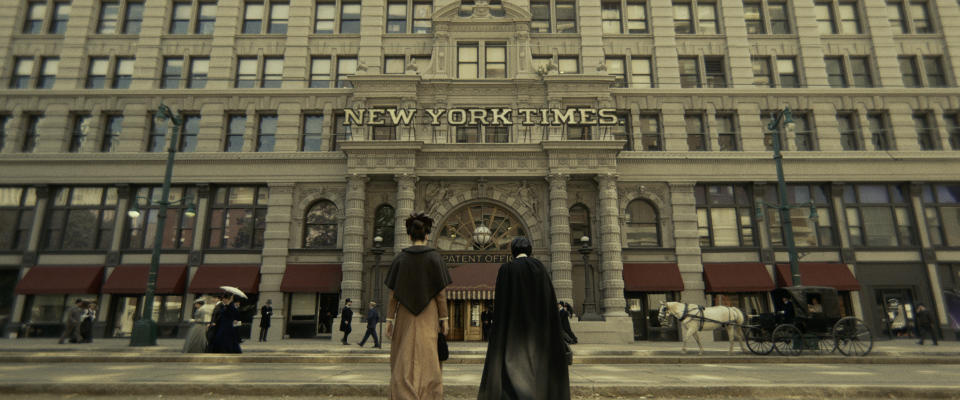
416,276
526,356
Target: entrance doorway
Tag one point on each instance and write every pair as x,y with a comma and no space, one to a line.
311,314
465,319
125,312
896,307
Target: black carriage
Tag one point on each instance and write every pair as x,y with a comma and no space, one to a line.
821,330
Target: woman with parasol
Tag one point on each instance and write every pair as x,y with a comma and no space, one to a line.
225,340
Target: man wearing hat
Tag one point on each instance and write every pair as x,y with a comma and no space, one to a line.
925,324
265,313
373,317
73,323
345,317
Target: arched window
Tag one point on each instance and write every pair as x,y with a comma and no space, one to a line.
642,227
579,224
479,228
321,227
384,225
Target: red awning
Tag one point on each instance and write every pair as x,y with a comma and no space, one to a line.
736,277
210,277
663,277
132,279
61,279
311,278
833,275
473,282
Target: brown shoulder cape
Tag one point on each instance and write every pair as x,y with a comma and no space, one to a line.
416,276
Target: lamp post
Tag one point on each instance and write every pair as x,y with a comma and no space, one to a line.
785,207
589,308
377,252
145,330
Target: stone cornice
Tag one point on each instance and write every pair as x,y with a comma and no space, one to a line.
21,159
806,156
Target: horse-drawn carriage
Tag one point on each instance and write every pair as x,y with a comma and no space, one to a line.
810,319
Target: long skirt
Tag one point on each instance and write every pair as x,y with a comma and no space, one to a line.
196,339
414,365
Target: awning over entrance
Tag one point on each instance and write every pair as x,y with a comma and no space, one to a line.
61,279
210,277
311,278
736,277
658,277
132,279
834,275
473,282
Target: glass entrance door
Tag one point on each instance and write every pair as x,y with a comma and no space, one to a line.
896,309
635,308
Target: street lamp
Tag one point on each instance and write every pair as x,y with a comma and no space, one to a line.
145,330
589,309
785,207
377,252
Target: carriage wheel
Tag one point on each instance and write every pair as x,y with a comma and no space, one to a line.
788,340
758,341
826,344
853,337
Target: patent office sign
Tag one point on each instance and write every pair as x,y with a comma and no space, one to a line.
473,257
484,116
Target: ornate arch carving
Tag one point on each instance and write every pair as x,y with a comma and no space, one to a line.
502,199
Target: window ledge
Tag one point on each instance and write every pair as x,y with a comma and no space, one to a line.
408,35
335,35
188,35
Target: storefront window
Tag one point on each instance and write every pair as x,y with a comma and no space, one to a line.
724,216
806,232
879,215
81,218
385,222
16,216
321,226
238,218
942,211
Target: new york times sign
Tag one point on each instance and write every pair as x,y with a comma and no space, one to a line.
484,116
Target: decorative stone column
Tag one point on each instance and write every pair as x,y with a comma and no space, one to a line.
352,283
405,197
611,266
560,266
276,245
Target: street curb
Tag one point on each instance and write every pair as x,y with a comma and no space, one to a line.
453,390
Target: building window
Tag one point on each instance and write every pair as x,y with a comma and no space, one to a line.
270,76
236,127
696,134
926,132
81,218
325,18
267,133
254,15
724,216
761,72
189,133
496,61
909,17
568,65
110,17
61,15
97,73
934,71
123,73
689,72
483,132
320,73
394,65
272,73
835,74
468,62
703,21
727,132
199,67
712,75
202,21
48,73
311,140
178,228
878,131
16,217
33,130
350,18
399,17
238,217
22,73
641,73
827,12
953,130
341,132
879,215
320,231
766,17
421,17
860,68
651,135
620,131
806,232
384,225
81,128
111,134
787,68
559,14
4,121
616,67
849,131
579,224
942,212
642,225
384,133
908,70
580,132
804,132
345,67
36,14
637,17
279,18
158,136
172,72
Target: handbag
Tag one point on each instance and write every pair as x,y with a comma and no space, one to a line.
442,350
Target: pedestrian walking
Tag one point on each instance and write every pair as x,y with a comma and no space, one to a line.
214,326
345,317
86,325
373,318
74,314
486,320
237,323
266,312
925,324
526,355
225,340
417,279
197,335
565,324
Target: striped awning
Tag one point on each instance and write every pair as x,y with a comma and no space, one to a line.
473,282
470,295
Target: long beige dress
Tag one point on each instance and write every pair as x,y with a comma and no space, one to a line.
414,364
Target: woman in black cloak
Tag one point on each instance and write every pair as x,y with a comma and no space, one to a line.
526,356
225,341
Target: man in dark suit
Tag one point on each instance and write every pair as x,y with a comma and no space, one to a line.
486,319
925,324
214,321
568,335
73,323
265,313
345,317
373,317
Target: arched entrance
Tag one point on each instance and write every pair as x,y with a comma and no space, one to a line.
475,241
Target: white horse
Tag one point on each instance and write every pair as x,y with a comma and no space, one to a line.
695,319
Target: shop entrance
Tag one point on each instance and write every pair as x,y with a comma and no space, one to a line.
465,319
644,309
311,314
895,306
125,311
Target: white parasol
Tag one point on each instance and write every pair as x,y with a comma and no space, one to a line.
235,291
